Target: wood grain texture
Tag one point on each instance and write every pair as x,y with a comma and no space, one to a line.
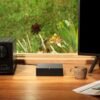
24,85
69,58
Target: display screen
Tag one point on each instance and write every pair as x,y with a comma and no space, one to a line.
89,28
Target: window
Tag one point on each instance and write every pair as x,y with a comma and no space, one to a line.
40,26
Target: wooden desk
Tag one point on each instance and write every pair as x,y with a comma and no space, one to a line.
24,85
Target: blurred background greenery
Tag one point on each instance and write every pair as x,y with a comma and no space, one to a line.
40,26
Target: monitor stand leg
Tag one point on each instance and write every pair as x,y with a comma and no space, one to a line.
99,63
94,63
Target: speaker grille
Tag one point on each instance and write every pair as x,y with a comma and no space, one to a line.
7,59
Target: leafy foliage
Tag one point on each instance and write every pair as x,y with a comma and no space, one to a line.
69,34
17,17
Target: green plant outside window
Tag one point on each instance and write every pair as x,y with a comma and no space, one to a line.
40,26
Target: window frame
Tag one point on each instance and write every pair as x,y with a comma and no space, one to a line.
65,58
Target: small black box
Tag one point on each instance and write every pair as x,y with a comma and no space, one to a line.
49,70
7,56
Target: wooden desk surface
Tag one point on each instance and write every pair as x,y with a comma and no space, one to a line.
24,85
